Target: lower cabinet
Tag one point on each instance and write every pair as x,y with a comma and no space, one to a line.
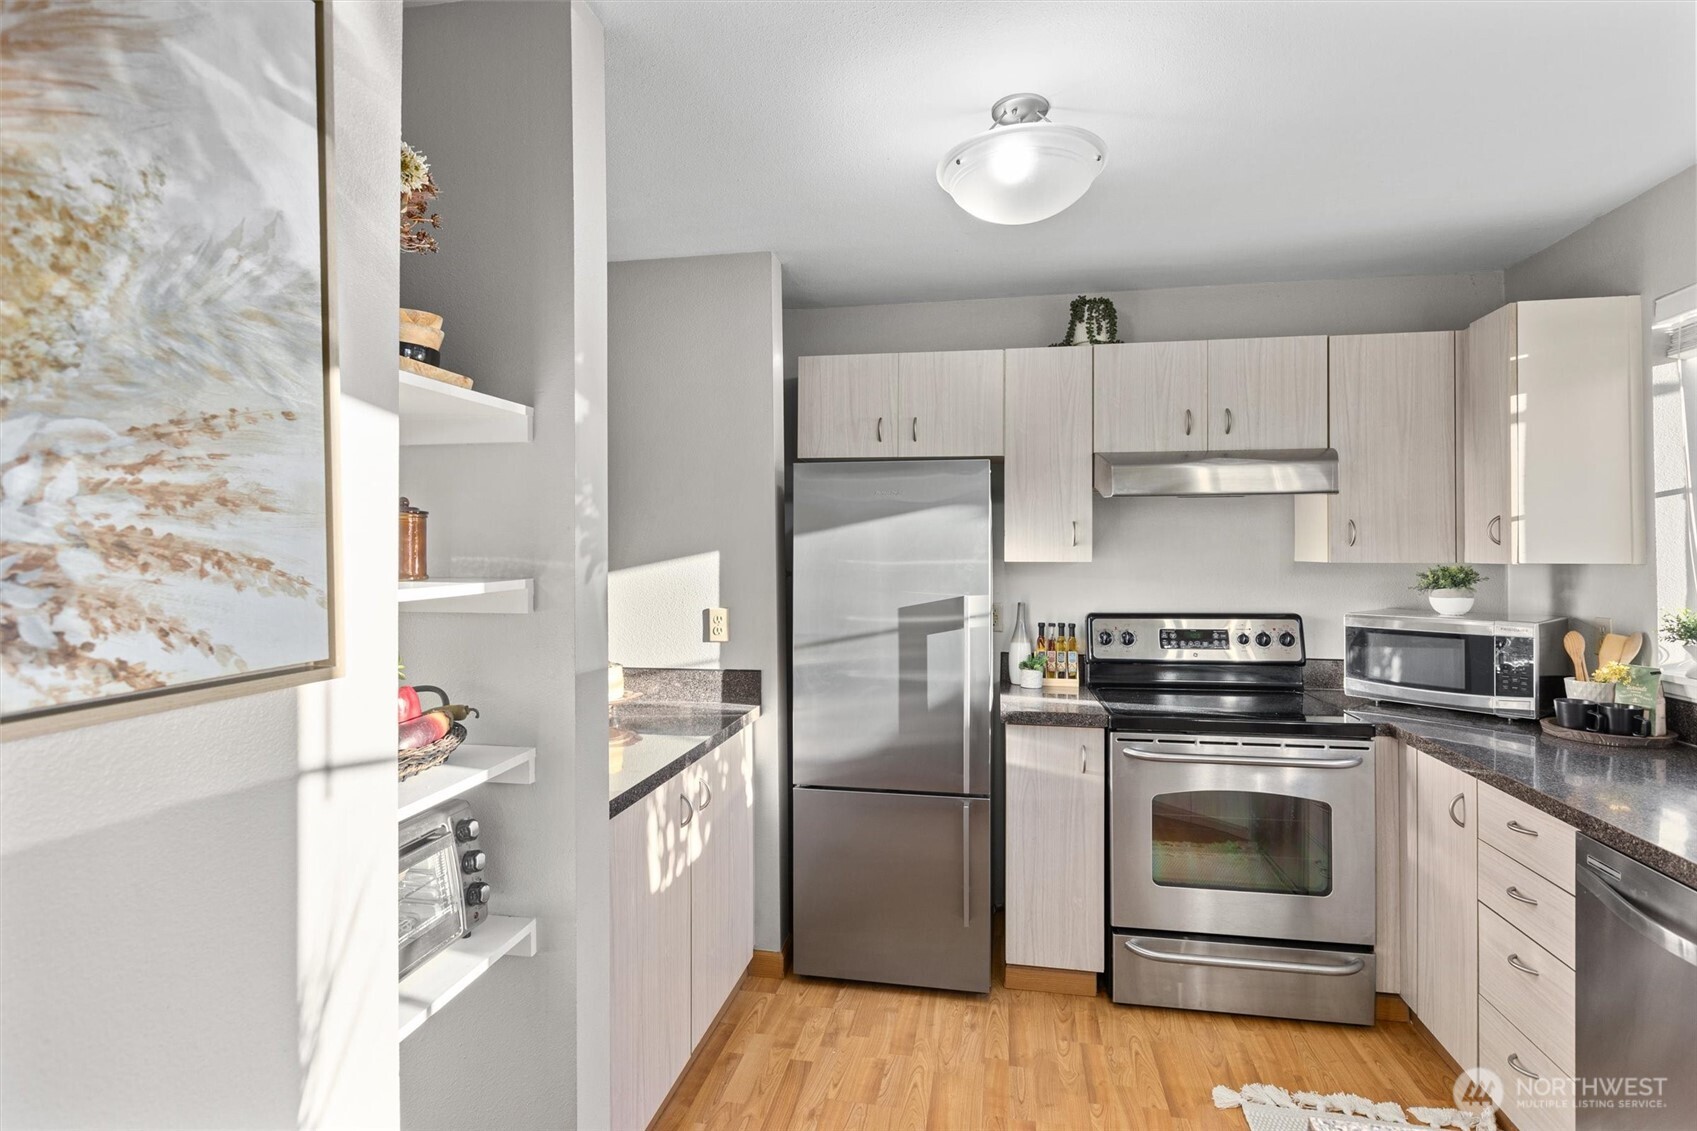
1056,847
1447,906
682,875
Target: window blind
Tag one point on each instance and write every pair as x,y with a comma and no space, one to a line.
1676,318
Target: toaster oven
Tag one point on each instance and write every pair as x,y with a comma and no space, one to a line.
443,894
1511,668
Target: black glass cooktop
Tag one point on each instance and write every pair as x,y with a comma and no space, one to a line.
1222,712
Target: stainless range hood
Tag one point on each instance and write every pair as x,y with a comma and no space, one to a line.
1309,472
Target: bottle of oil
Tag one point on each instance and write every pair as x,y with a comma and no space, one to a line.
1072,650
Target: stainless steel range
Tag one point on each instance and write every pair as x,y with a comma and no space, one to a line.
1241,843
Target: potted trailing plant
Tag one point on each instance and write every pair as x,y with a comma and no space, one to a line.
1031,670
1449,588
1093,322
1681,628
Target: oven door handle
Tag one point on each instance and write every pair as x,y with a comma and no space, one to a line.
1143,754
1142,949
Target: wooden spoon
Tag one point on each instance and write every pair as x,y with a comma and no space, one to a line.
1575,645
1609,651
1634,645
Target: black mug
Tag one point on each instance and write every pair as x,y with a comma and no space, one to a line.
1576,714
1622,718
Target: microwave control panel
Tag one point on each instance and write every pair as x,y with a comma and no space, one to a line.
1513,664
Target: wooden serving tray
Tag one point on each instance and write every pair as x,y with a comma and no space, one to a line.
1555,730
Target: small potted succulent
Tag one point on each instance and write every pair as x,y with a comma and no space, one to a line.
1681,628
1031,670
1449,588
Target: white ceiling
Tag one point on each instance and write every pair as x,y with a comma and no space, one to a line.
1246,141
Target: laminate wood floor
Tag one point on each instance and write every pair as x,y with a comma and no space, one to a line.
811,1053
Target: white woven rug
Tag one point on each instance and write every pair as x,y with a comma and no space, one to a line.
1269,1108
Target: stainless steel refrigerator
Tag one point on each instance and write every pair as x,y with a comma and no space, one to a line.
890,755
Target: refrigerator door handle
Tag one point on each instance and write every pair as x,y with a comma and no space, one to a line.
965,695
966,863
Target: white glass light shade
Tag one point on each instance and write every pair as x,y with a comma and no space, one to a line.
1020,174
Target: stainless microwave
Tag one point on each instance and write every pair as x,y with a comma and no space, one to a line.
1512,668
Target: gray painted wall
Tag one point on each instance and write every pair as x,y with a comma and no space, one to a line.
200,927
1189,554
491,95
695,482
1648,247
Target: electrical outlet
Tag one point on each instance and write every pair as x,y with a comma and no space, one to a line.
718,625
996,617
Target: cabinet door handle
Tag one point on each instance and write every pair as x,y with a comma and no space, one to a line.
1228,422
1083,758
880,429
1495,529
1516,826
1514,1063
1516,894
1075,532
1514,961
688,815
1351,529
1461,800
1187,422
916,430
705,789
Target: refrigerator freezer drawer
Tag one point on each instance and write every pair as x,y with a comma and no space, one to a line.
892,887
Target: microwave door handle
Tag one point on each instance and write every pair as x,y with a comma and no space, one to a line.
1144,754
1596,883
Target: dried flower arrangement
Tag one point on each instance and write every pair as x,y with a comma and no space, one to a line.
417,191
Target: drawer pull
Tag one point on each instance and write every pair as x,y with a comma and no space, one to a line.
1514,1063
1516,893
1514,961
1517,827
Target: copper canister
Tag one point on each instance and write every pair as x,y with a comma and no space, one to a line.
412,542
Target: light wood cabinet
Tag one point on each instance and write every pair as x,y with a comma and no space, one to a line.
1446,924
846,406
1267,394
1056,813
721,878
1046,475
1529,986
1393,425
1550,416
1151,397
1505,1050
950,404
650,953
682,879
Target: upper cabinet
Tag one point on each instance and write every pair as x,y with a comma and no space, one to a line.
1046,491
1393,425
1152,397
909,405
1267,394
1549,412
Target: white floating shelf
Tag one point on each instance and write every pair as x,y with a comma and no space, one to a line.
468,595
435,412
467,767
432,986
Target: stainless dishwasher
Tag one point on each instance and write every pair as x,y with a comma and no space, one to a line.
1637,988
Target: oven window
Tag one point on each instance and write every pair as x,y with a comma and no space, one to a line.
1229,840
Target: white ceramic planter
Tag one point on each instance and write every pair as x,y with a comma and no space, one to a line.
1590,692
1030,677
1691,651
1451,602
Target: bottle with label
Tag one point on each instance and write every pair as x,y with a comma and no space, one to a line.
1054,659
1072,650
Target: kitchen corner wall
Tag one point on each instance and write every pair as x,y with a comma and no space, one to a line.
1197,554
695,497
1648,247
200,903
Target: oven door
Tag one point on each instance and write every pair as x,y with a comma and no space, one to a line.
432,902
1255,837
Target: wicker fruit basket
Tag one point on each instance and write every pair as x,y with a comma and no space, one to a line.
410,762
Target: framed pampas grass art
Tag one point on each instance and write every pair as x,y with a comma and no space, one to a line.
166,356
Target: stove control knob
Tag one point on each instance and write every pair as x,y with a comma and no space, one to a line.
1128,638
1263,639
466,829
477,894
1243,638
473,861
1286,640
1104,637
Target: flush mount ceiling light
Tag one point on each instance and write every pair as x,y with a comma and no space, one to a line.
1024,168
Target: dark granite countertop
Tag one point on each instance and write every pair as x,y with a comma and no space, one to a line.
1023,706
1640,802
680,715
